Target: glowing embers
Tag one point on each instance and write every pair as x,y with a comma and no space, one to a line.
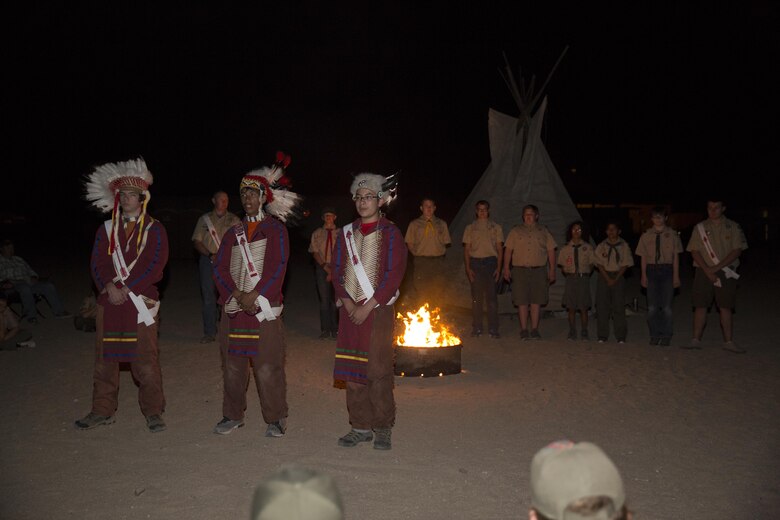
426,348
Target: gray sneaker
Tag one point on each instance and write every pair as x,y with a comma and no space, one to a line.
92,420
226,426
354,437
276,429
155,423
382,441
534,334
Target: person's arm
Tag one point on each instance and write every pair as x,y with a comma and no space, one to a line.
221,271
148,269
728,259
643,278
551,265
676,270
201,248
500,251
10,333
467,261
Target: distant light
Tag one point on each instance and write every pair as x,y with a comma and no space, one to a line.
441,374
573,170
306,213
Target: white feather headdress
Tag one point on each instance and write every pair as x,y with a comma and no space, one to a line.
280,201
385,188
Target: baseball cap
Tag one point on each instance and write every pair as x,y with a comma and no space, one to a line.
563,472
297,494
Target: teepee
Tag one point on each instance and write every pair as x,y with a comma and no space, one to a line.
520,172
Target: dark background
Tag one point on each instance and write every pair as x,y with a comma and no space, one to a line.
662,103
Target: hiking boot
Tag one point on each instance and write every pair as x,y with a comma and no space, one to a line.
382,441
584,335
92,420
275,429
695,344
208,338
572,335
665,342
324,335
534,334
226,426
351,439
733,347
155,423
524,335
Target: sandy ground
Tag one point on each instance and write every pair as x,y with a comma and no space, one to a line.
694,432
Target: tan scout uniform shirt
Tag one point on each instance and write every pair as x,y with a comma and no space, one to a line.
483,236
221,225
609,260
530,245
319,239
585,256
427,237
725,236
670,245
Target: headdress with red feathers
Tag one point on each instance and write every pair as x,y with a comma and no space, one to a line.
280,201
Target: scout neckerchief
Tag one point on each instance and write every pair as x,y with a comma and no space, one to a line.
123,273
730,273
212,230
576,258
266,312
614,248
360,271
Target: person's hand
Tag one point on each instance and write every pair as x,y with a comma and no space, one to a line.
496,274
247,301
611,281
470,274
115,296
6,284
507,274
349,306
551,276
643,281
359,315
676,282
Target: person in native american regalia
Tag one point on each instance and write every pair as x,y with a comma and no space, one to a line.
249,272
368,263
128,258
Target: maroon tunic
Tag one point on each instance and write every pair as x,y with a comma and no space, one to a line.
355,341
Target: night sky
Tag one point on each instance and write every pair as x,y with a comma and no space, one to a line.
654,104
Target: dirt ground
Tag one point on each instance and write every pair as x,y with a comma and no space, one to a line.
693,432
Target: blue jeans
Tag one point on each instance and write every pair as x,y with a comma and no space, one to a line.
27,292
328,313
660,291
483,291
208,295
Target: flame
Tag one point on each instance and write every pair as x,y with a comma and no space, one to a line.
423,329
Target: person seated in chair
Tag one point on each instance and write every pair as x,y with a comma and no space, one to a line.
16,275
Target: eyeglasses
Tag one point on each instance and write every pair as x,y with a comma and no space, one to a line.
364,198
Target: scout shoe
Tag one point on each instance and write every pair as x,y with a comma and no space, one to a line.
276,429
155,423
354,437
382,441
92,420
226,426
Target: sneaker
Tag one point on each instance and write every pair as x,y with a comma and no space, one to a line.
27,344
324,335
572,335
524,334
226,426
665,342
655,341
155,423
604,340
382,441
733,347
584,335
621,341
534,334
334,335
275,429
351,439
495,335
92,420
64,315
207,339
695,344
476,333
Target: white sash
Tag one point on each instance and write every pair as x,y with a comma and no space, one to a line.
357,265
122,270
212,230
730,273
266,311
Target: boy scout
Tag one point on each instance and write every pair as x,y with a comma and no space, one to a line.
613,257
576,262
530,250
716,245
660,248
427,238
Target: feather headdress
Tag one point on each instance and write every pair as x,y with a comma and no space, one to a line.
104,184
386,188
280,201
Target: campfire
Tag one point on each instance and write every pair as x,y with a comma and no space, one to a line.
426,348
